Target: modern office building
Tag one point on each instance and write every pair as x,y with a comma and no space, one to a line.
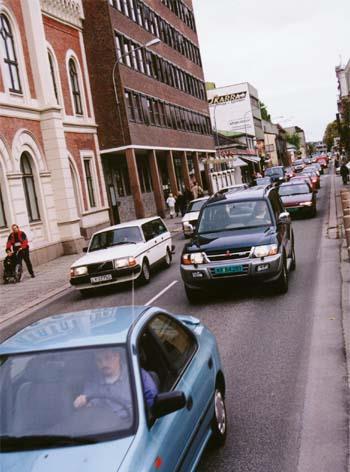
51,178
150,101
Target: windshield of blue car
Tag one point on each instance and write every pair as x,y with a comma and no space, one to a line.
295,189
63,398
270,171
234,216
195,206
115,237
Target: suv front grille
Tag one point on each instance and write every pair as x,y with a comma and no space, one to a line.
100,267
229,255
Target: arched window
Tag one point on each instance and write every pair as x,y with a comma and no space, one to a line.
3,222
53,75
74,80
9,54
29,188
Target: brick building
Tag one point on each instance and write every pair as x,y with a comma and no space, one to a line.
51,178
154,126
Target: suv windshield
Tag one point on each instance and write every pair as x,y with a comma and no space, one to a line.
114,237
195,206
56,399
295,189
234,215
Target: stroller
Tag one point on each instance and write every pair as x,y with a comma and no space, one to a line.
12,268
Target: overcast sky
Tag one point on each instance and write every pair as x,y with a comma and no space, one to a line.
287,50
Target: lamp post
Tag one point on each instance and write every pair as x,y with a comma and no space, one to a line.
153,42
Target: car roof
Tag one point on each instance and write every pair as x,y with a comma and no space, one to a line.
251,193
127,224
99,326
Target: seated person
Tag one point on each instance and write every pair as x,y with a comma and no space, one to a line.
9,265
110,387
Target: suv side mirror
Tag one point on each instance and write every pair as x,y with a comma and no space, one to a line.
284,218
189,229
166,403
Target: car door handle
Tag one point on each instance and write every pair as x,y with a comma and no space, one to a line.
189,404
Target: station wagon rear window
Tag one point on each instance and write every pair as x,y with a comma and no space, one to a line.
66,397
115,237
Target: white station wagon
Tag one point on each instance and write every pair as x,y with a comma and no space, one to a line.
122,253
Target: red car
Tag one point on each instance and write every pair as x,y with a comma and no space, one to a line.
305,178
323,160
298,198
315,179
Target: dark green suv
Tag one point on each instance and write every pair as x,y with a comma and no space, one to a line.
243,235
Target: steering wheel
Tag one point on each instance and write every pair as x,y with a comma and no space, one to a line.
116,400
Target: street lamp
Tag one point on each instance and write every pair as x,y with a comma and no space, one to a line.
153,42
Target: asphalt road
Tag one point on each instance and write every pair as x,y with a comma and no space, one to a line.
270,351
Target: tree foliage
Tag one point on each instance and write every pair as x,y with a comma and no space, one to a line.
265,115
293,139
330,133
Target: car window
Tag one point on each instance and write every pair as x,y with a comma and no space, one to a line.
295,189
195,206
72,393
158,227
175,340
148,230
230,216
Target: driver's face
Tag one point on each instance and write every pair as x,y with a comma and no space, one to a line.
108,361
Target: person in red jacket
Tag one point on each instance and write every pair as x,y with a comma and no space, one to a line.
18,243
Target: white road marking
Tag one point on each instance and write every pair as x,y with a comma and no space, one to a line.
168,287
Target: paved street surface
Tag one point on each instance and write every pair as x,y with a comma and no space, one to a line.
283,355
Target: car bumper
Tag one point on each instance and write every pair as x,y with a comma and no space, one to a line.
299,209
204,275
116,276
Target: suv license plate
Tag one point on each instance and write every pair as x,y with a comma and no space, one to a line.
101,278
228,270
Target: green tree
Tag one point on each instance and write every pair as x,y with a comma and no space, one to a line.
330,133
265,115
294,139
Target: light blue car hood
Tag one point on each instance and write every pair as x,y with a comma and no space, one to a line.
105,456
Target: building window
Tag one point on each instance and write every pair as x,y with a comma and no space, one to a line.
144,175
9,55
29,188
89,182
53,75
3,222
74,80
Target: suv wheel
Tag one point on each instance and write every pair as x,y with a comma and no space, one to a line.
281,284
193,296
294,262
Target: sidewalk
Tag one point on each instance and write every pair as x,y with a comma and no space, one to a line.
50,279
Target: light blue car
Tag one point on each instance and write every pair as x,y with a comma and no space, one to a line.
114,389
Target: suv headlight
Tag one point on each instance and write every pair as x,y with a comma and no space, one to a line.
76,271
125,262
264,251
194,259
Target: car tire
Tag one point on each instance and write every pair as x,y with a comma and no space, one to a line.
219,421
294,262
193,296
167,258
281,284
145,275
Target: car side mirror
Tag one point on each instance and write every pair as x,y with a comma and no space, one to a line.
284,218
85,249
190,229
166,403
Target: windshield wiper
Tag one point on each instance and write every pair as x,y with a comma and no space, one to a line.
122,242
15,443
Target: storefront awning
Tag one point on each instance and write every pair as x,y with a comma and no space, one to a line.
254,159
237,162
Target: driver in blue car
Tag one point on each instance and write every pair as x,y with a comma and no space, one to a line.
110,387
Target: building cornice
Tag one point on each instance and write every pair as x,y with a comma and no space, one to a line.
67,11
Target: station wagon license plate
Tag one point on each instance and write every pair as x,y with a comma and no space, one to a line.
101,278
228,270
